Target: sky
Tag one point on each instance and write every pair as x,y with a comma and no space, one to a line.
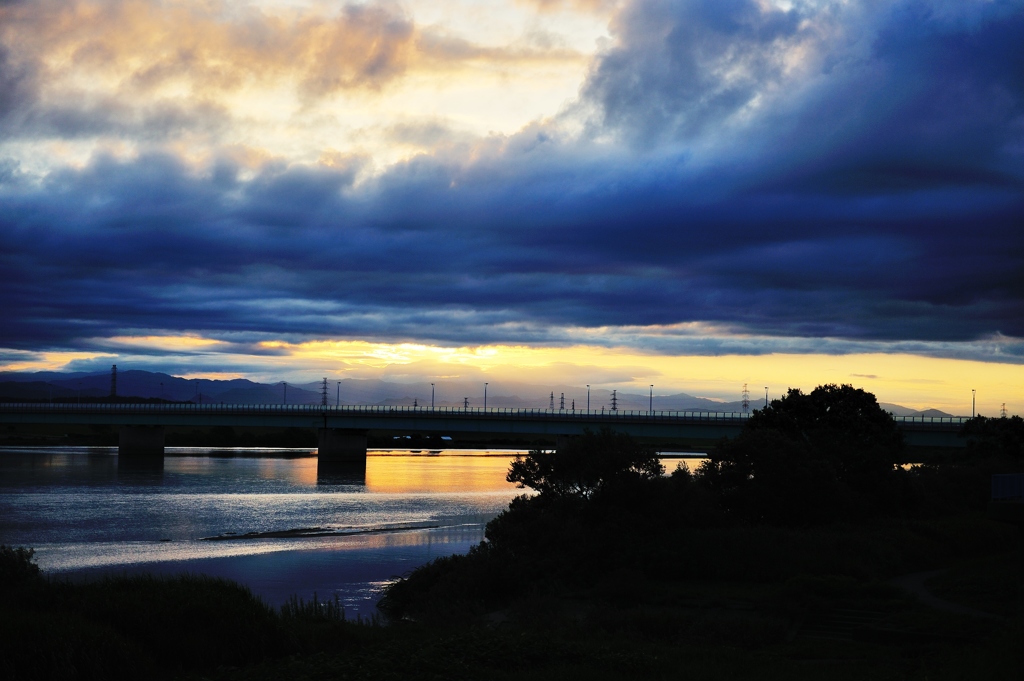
694,194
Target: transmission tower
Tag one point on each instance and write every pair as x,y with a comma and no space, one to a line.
615,401
746,399
561,403
465,403
323,393
551,405
1002,412
113,381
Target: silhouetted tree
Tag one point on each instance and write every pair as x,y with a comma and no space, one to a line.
585,465
1001,438
810,457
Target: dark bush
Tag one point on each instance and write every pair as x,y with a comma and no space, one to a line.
821,457
586,465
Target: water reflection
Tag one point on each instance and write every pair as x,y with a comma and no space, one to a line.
89,511
341,473
469,471
140,469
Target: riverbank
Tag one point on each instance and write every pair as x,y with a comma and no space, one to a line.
619,625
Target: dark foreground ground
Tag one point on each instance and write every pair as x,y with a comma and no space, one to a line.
617,625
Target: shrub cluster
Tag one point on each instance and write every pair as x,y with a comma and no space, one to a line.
807,488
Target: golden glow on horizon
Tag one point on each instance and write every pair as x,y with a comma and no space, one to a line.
909,380
50,361
913,381
213,375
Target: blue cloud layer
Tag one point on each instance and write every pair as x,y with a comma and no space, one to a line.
873,192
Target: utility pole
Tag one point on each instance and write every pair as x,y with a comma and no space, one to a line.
465,403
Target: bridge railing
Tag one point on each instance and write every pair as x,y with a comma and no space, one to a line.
407,410
343,410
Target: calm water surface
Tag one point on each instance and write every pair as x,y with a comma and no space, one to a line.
85,516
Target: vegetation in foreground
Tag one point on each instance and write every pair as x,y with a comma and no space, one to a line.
775,559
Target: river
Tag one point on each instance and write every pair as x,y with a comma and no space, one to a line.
264,518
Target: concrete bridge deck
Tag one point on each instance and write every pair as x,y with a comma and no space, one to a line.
343,430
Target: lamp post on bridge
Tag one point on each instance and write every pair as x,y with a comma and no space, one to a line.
485,396
650,404
588,398
337,402
431,395
766,397
974,395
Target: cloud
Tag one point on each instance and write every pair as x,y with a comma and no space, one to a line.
142,70
681,66
830,178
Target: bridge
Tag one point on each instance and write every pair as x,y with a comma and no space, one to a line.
343,431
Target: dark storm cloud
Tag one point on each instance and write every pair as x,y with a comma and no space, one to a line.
683,66
18,86
835,180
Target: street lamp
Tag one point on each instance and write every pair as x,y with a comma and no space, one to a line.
650,404
337,403
285,391
485,397
588,398
431,395
766,397
973,397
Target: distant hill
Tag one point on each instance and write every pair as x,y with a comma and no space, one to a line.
898,410
51,385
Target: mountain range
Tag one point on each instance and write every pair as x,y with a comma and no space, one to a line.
61,386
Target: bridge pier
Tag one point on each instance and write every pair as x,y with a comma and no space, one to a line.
341,457
341,445
136,441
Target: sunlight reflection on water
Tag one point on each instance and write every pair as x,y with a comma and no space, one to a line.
86,516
